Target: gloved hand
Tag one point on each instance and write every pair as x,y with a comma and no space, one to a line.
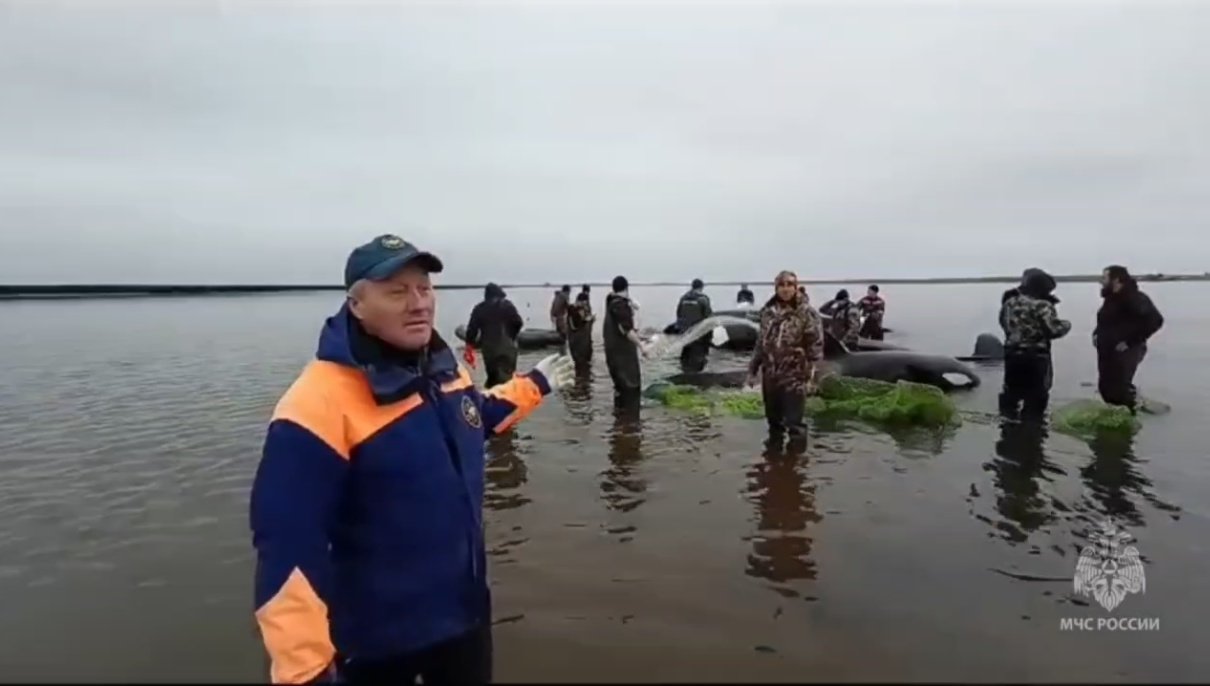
468,354
558,369
1121,347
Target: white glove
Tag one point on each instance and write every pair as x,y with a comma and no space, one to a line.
558,369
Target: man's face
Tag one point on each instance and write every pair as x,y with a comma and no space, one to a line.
1109,285
871,292
787,287
398,310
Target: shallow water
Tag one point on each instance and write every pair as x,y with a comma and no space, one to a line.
666,546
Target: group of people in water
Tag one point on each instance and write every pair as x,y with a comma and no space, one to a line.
789,344
1126,321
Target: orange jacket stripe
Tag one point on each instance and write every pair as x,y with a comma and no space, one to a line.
510,402
294,624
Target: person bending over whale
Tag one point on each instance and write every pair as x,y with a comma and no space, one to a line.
790,345
846,318
1030,323
694,307
493,329
1126,321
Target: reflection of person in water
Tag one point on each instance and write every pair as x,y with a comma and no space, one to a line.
621,488
506,473
1113,475
785,509
1021,462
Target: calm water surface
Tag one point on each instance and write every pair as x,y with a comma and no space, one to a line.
660,547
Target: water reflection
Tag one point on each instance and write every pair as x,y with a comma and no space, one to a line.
506,473
785,508
1112,477
578,399
1019,465
621,488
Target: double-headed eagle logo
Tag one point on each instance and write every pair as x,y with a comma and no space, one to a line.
1109,569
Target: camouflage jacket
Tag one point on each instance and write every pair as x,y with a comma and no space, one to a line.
1030,324
790,343
846,321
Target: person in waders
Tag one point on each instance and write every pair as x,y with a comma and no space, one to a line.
558,310
622,344
579,333
784,361
1030,322
493,329
1126,321
873,309
694,307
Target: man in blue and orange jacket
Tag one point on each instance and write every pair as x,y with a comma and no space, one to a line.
367,506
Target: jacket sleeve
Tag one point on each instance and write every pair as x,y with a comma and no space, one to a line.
623,315
758,352
1051,323
707,310
812,336
1146,321
294,497
474,327
828,307
509,403
515,323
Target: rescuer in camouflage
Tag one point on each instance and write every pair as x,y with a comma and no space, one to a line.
1030,322
789,346
846,318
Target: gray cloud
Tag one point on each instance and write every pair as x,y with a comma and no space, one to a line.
577,142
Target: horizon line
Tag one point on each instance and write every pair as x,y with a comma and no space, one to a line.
17,291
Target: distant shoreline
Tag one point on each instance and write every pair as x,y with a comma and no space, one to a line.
32,292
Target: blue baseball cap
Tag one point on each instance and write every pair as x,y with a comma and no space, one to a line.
383,257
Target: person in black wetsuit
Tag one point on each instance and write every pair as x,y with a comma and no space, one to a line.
579,333
493,329
1126,321
694,307
622,344
745,296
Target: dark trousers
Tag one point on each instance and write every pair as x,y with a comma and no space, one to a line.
466,659
871,329
624,369
1027,380
579,344
1115,374
695,355
785,409
500,368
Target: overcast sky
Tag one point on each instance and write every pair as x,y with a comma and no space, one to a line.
576,142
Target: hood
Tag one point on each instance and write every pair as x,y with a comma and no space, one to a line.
493,292
1036,283
392,375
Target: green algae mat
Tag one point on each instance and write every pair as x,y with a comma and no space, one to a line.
878,402
1088,418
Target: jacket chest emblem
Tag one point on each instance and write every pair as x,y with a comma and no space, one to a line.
471,413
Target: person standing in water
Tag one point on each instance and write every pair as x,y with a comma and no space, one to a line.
745,296
872,308
1126,321
558,310
846,318
579,333
622,344
1030,322
367,505
492,329
789,347
694,307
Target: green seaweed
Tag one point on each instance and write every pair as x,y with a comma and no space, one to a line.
877,402
1088,418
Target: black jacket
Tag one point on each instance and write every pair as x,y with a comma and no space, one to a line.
619,321
693,307
1127,317
494,325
